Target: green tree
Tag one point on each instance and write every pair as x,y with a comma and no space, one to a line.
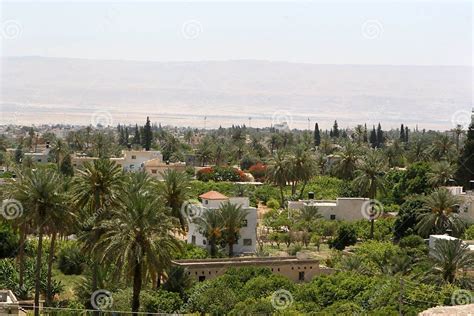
210,225
346,236
441,173
370,178
450,258
174,190
139,235
465,171
278,173
316,135
40,192
440,214
233,217
148,134
66,167
96,188
347,164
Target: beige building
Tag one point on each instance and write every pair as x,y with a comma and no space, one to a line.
156,167
295,269
9,305
137,160
348,209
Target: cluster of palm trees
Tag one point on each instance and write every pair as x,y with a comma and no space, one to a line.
292,168
125,220
223,224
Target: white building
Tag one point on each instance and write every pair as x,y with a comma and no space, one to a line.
348,209
212,200
466,207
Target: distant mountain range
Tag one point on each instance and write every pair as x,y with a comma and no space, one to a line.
60,90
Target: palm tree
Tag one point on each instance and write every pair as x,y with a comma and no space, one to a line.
307,216
441,148
278,172
204,151
173,189
302,168
450,258
441,172
96,188
370,179
440,214
233,217
139,235
210,225
59,150
40,191
348,163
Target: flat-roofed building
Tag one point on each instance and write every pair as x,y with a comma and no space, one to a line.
294,268
212,200
349,209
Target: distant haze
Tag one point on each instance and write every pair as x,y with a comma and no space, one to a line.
39,90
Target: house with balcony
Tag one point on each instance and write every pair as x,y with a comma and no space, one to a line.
212,200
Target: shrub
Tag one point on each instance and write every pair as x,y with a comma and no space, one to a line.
8,241
273,204
258,171
161,301
346,236
71,260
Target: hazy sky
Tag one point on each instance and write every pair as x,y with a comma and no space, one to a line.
400,32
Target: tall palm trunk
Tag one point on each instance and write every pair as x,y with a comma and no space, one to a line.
50,268
21,254
231,248
137,286
282,197
38,269
212,242
302,189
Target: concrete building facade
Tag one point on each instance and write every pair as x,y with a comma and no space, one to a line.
349,209
294,268
212,200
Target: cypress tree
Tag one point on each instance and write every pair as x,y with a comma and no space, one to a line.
136,138
402,133
380,137
66,166
147,134
365,134
406,134
317,135
373,138
335,128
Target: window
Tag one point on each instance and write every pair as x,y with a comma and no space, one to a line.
134,157
333,217
244,223
39,160
248,242
206,202
153,171
202,278
301,276
193,239
204,241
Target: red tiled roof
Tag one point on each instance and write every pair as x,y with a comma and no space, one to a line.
213,195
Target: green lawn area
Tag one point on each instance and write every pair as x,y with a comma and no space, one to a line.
323,253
